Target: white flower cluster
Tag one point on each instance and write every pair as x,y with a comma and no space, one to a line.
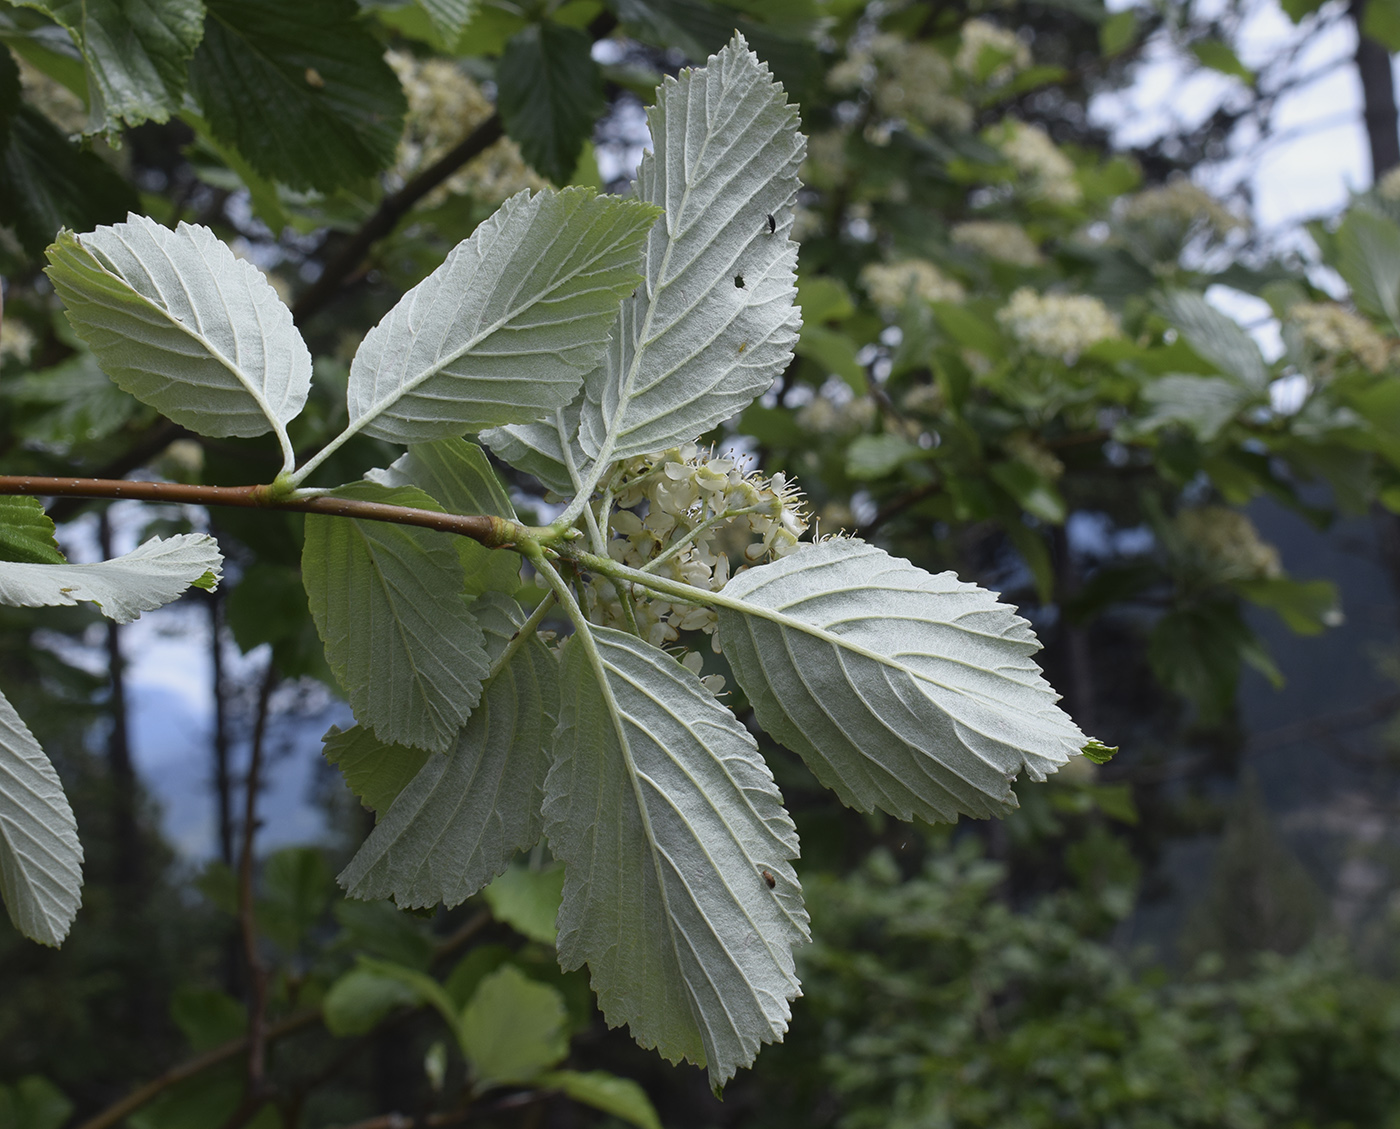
444,105
1057,325
1227,544
1388,187
1000,242
824,415
699,509
1335,330
16,340
1179,201
910,82
979,36
890,284
1037,158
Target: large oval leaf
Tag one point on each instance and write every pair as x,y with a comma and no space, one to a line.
715,322
40,857
678,892
387,601
903,691
180,323
152,574
466,813
505,329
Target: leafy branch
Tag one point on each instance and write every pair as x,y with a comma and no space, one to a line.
588,341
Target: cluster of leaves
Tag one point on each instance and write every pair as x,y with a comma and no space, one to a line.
1007,341
930,1001
906,692
944,397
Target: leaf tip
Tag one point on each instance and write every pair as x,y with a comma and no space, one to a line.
1098,752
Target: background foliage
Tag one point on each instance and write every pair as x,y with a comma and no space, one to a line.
1006,368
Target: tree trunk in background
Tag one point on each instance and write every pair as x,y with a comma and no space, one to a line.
223,782
126,871
1378,98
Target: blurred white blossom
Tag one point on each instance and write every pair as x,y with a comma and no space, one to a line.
1336,331
1227,545
444,105
979,36
1037,158
1000,242
1057,325
891,284
1181,202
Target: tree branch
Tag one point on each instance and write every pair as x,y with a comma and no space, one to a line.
247,913
493,532
119,1111
392,209
396,205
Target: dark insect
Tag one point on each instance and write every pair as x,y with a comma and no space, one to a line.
772,882
772,225
739,281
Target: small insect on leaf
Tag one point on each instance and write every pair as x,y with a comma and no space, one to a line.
743,345
772,225
314,79
768,877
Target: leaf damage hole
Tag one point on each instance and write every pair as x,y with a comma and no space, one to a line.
738,281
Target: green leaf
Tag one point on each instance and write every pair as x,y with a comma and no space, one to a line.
33,1103
504,330
513,1030
527,900
1368,257
268,605
449,16
301,90
184,326
207,1017
26,532
874,456
399,635
1196,652
1202,404
1220,56
714,323
73,402
1307,606
465,814
1217,338
1098,752
620,1097
360,1000
297,887
376,771
1382,23
457,475
1035,494
549,450
549,92
1117,33
823,298
150,575
670,830
1297,9
40,857
136,54
903,691
835,353
48,183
